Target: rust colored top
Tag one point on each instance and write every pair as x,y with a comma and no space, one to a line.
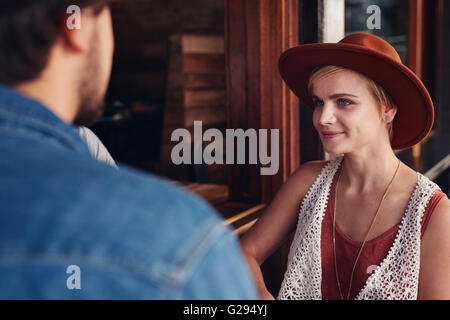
372,255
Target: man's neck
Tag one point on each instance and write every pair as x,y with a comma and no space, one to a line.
53,97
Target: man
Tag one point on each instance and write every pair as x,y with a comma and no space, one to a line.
70,226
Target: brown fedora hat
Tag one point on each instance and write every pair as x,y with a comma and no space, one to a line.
376,59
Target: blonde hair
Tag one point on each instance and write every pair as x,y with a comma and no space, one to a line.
380,95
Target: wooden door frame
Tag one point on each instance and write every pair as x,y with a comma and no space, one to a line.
424,48
256,33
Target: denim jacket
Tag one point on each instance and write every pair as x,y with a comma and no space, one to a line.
74,228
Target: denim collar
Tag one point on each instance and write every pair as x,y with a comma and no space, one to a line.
17,108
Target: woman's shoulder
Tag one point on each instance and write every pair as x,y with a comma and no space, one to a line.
435,260
441,214
300,182
307,173
312,169
411,179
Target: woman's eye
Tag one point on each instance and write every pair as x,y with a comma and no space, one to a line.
318,103
344,102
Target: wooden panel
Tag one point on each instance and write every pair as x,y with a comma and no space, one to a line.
142,31
424,20
203,44
204,81
242,43
203,63
202,98
415,36
209,115
256,33
195,92
310,144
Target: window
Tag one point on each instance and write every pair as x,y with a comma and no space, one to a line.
393,25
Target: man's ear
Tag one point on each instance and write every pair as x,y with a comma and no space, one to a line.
77,28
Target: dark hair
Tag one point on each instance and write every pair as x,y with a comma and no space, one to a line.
28,30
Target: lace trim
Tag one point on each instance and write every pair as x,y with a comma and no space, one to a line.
397,277
307,273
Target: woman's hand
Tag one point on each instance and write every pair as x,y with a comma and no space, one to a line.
277,221
266,295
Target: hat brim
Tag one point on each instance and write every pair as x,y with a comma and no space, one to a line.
415,112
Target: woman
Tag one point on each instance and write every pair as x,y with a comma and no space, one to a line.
360,218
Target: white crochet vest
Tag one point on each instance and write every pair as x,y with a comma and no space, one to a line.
397,276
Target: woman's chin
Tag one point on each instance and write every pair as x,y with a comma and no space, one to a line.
333,150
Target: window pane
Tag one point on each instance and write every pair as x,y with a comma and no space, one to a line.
393,21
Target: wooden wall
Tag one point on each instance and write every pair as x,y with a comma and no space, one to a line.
139,79
256,34
196,91
142,30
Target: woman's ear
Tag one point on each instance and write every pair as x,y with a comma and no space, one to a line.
389,114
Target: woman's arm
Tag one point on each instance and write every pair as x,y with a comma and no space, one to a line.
274,225
258,279
434,278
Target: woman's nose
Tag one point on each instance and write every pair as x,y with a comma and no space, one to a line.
326,115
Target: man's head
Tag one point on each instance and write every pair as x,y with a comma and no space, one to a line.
39,50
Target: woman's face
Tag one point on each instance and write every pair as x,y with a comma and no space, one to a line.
346,113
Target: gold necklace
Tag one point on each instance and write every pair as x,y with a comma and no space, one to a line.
365,238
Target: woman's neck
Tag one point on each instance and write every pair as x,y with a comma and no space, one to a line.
367,173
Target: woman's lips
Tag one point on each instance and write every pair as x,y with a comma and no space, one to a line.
331,135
